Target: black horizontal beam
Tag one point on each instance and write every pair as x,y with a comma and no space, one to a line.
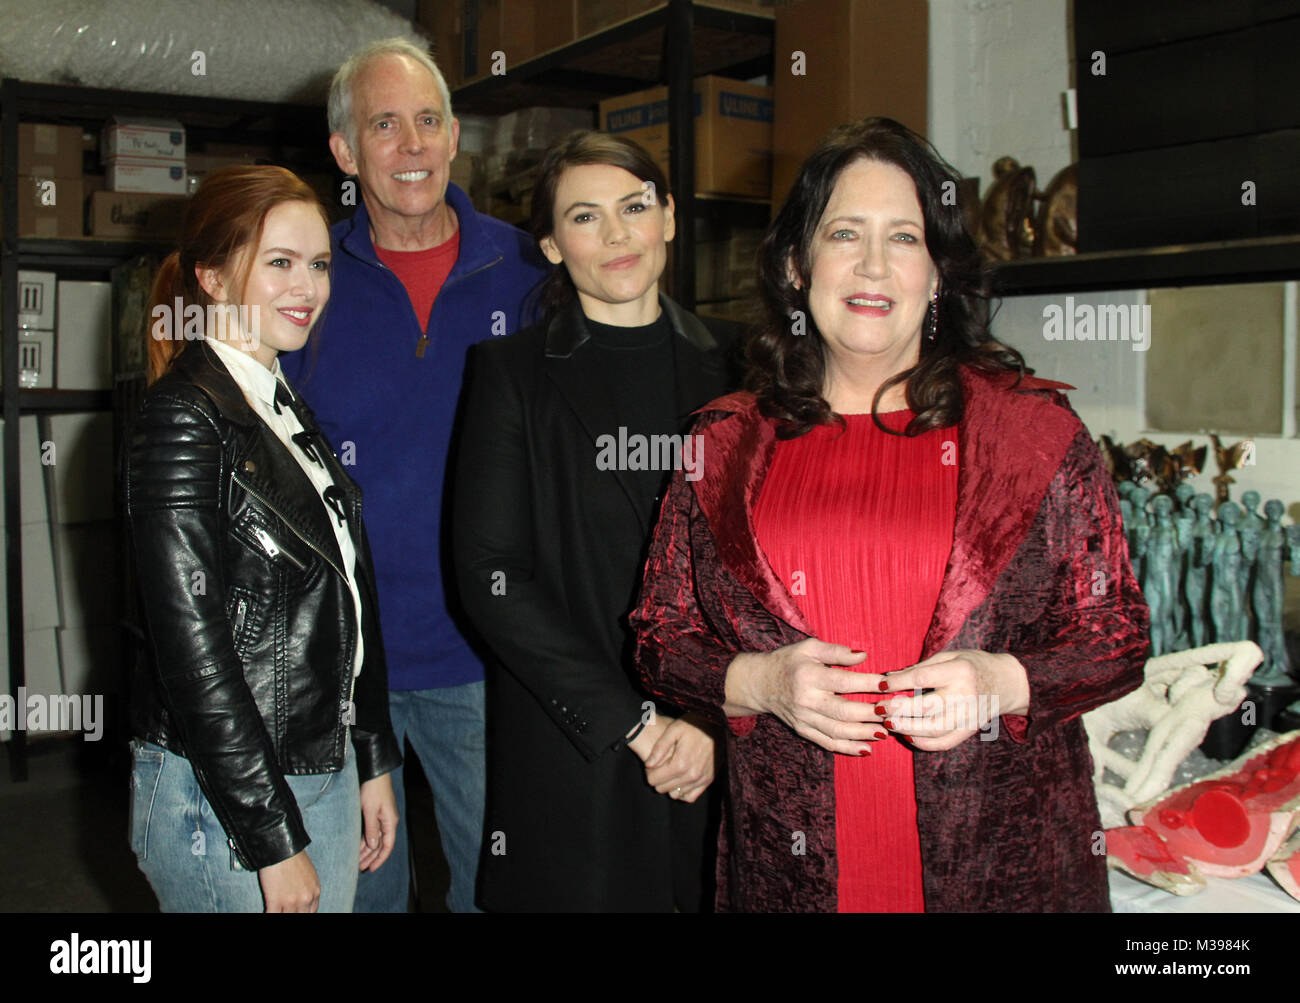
64,401
63,252
1264,259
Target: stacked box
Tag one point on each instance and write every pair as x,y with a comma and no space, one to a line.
733,133
144,155
49,180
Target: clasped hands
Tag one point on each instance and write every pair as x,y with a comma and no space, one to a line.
678,753
802,685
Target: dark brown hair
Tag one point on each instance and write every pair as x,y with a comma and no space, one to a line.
786,370
224,216
574,150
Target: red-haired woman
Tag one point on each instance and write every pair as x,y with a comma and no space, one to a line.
263,741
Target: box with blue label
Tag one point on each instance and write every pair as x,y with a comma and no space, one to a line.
733,133
157,138
142,174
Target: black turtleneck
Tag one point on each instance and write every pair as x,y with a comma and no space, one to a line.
637,367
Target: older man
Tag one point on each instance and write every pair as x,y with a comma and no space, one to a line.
418,276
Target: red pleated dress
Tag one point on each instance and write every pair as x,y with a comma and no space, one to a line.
859,524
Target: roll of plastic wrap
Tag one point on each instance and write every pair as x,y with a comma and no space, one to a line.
257,50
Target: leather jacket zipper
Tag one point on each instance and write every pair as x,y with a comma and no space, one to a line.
241,610
271,508
273,549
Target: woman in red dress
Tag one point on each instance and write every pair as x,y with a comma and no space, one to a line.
901,578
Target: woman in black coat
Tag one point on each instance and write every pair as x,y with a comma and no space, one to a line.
571,429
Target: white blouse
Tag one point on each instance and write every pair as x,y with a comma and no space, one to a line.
258,384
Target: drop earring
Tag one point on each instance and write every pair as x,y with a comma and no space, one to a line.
933,316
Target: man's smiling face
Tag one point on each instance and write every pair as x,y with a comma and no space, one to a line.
404,142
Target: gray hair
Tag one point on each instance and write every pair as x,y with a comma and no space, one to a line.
340,99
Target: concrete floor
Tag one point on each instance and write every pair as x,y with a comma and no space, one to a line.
63,834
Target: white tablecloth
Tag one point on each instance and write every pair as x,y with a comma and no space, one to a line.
1253,893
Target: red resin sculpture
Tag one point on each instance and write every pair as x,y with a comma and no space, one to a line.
1228,824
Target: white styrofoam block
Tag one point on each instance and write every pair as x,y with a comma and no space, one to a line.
40,600
85,557
43,680
85,344
35,359
41,659
32,493
36,299
83,467
91,659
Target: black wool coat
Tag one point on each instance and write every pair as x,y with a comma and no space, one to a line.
549,550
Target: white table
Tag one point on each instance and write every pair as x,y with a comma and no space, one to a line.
1253,893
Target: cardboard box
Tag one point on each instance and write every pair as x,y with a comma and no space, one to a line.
482,36
131,174
155,138
84,347
49,207
199,165
84,473
52,151
733,133
41,669
35,360
82,556
36,296
839,84
518,33
505,26
443,21
559,26
33,507
708,256
596,14
40,600
136,215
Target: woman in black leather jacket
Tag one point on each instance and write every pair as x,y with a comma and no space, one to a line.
263,741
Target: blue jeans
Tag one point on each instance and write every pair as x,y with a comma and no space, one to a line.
182,848
445,728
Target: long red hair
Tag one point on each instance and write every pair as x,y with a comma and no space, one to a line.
224,216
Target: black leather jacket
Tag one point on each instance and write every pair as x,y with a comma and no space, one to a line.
249,620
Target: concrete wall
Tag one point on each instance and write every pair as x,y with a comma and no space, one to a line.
997,70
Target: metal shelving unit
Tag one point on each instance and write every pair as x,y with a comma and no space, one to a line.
295,135
670,44
1263,259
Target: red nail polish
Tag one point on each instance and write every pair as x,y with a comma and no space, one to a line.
884,685
864,752
857,652
888,724
881,734
880,709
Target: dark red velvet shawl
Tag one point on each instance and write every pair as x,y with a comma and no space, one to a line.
1039,568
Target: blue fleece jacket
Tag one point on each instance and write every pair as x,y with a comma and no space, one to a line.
389,415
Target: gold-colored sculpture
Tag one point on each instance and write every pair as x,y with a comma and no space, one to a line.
1006,227
1190,461
1229,458
1056,231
